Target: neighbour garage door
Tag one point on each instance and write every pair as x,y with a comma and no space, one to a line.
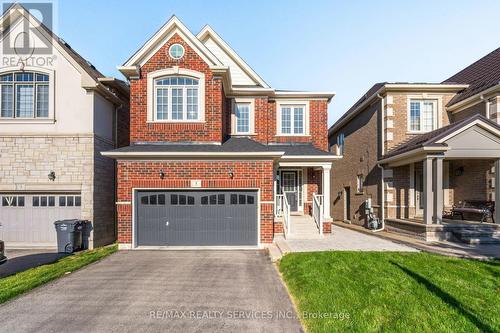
28,219
197,218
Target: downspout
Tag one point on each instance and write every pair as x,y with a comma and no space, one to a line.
487,106
382,150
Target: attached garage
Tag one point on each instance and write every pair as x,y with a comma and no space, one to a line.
27,220
197,218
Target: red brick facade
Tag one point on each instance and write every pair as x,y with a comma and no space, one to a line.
214,174
216,127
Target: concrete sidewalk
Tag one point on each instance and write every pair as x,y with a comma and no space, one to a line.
341,239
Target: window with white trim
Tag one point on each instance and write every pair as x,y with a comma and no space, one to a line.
360,184
242,115
422,116
24,95
293,119
176,98
341,143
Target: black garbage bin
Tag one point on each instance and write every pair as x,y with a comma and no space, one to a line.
69,235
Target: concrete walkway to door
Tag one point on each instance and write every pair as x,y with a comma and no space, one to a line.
160,291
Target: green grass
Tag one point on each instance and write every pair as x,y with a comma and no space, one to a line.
14,285
394,292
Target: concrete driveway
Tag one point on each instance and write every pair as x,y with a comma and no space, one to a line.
154,291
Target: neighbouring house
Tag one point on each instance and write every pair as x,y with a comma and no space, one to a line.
216,156
57,113
419,149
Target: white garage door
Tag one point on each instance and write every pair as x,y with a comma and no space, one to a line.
28,219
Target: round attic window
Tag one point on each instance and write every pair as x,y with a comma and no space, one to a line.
176,51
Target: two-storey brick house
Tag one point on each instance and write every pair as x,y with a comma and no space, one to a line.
419,149
57,113
217,157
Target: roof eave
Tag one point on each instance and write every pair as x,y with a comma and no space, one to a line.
191,155
474,99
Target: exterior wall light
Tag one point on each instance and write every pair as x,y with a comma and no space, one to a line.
52,176
162,174
231,174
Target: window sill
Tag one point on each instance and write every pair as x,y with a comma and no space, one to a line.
359,193
293,135
26,121
243,134
176,121
417,132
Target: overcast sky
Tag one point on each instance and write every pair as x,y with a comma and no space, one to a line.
340,46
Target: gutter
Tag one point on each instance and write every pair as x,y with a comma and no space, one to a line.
457,106
208,155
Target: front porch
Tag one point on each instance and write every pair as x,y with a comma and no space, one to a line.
444,188
302,190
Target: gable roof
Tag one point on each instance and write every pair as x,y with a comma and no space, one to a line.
435,138
229,57
172,26
480,76
85,67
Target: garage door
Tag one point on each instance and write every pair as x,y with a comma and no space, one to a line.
28,219
197,218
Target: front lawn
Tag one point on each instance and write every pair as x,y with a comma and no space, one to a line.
19,283
393,292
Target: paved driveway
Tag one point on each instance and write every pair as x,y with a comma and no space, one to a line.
155,291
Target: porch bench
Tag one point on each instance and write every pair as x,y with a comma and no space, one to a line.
483,208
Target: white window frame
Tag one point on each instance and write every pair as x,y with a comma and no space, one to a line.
341,146
292,104
51,113
251,118
436,113
360,187
175,71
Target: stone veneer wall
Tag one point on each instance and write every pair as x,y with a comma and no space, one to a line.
25,162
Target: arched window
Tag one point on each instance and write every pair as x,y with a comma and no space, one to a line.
176,98
24,95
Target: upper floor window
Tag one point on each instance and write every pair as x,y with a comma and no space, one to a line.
292,119
422,115
242,121
340,143
177,98
24,95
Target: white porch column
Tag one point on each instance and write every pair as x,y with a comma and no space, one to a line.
497,191
438,190
326,191
428,197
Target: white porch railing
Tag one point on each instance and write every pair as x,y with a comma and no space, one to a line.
282,209
317,209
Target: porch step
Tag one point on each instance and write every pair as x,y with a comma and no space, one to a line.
303,227
480,234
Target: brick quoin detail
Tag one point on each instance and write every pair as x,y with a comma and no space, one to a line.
178,174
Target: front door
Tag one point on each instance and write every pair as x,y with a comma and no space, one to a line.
290,189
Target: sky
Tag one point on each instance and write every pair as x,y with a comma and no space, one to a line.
339,46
